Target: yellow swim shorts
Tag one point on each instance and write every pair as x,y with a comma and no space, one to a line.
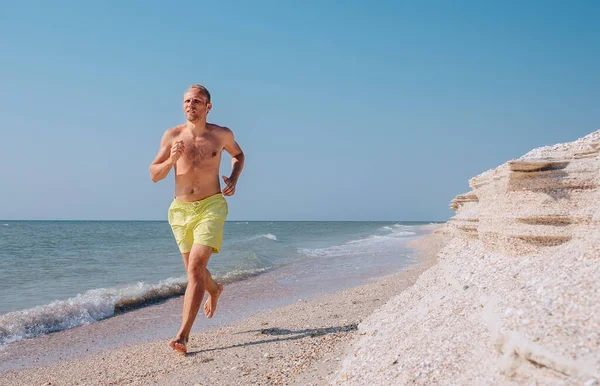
199,222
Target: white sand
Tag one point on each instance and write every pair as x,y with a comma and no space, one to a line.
515,297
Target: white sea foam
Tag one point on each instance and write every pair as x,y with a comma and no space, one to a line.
370,244
85,308
95,305
239,274
268,236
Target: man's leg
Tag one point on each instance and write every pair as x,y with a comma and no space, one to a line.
194,293
214,290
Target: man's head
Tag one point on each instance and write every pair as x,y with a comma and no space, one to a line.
196,103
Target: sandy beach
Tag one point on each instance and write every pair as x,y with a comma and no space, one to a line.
394,193
514,298
302,343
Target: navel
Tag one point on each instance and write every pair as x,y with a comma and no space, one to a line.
214,153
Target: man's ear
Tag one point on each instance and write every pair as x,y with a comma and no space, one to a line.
208,106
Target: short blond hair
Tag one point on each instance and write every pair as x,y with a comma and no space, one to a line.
203,90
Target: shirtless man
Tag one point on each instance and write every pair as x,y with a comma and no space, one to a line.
198,211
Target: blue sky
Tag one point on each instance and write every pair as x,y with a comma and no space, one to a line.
345,110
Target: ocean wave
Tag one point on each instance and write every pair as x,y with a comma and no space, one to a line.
97,304
268,236
403,226
362,245
86,308
240,274
391,236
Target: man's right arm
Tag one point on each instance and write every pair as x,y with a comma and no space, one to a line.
163,162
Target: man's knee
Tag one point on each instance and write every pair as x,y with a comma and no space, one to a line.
196,275
198,261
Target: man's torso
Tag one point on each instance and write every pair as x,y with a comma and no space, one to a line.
197,170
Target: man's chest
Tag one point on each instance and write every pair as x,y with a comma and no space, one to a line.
202,148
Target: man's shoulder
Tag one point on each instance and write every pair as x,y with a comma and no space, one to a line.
174,131
220,130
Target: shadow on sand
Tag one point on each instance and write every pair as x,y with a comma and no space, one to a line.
286,335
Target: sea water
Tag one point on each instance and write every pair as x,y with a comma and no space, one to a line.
56,275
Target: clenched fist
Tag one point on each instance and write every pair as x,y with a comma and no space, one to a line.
229,189
177,150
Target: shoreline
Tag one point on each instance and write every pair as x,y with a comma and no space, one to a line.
70,296
296,343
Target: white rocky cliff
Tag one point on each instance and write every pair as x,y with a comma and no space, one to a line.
515,296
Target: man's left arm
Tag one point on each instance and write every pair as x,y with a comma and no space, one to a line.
237,163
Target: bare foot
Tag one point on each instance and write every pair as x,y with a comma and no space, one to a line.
179,346
211,303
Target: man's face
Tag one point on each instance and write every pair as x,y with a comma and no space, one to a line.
195,105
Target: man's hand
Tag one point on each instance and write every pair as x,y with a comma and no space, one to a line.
229,190
176,151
